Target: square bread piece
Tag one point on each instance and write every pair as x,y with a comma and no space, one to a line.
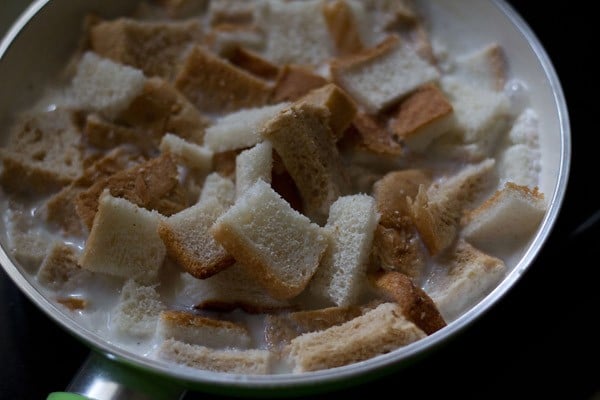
105,86
214,85
392,62
377,332
240,129
138,309
247,362
188,241
297,32
469,275
124,241
436,211
153,47
279,246
43,152
509,216
253,164
340,278
192,328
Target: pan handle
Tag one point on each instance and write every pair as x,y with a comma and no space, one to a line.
102,379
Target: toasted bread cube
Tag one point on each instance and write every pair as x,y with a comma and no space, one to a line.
233,12
416,304
509,216
43,152
189,154
280,247
231,288
192,328
342,109
138,309
281,328
302,137
247,362
105,86
188,241
240,129
375,137
253,164
160,109
340,278
223,39
362,74
294,81
153,185
214,85
396,243
471,274
377,332
156,48
421,117
253,63
343,27
436,211
124,241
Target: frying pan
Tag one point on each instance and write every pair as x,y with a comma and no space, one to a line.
32,54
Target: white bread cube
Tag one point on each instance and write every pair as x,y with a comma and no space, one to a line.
253,164
137,312
189,154
525,130
247,362
124,241
520,164
481,114
485,67
240,129
377,332
192,328
297,32
279,246
231,288
217,188
342,272
471,274
105,86
511,214
379,77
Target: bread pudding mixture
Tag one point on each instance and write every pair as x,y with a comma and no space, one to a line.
271,186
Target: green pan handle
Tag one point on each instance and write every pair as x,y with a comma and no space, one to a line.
66,396
102,379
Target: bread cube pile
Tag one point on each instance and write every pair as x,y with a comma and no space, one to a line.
273,185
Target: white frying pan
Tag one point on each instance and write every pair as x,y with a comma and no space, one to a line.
34,51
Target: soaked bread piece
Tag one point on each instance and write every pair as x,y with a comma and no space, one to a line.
377,332
251,362
156,48
195,329
59,266
416,305
152,185
138,309
43,153
302,136
214,85
279,247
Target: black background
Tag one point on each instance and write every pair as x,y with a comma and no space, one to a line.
541,340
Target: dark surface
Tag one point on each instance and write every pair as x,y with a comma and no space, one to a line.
540,340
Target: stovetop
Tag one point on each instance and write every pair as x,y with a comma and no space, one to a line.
540,340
